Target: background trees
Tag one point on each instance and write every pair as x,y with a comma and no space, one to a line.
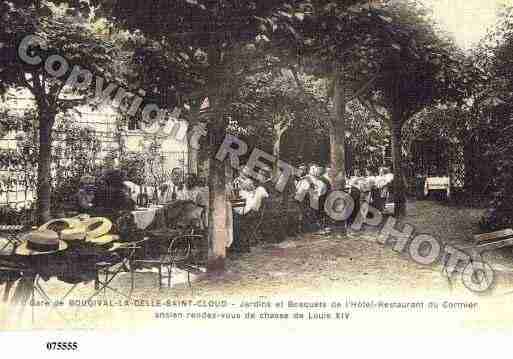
491,125
426,69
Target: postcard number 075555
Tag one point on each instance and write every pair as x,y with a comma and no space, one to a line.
61,346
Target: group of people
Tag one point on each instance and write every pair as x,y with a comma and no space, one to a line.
370,188
111,192
314,179
311,183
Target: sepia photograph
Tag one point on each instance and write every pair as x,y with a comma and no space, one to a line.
239,168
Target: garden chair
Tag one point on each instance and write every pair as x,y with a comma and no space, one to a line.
176,255
121,258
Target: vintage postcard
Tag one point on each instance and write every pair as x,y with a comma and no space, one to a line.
233,169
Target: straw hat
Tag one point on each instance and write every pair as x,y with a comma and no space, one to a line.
73,229
77,233
64,222
40,242
103,240
97,227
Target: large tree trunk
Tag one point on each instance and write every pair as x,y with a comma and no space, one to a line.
218,233
397,159
218,213
43,170
338,139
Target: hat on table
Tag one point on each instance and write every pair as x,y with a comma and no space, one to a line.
40,242
70,229
97,229
103,240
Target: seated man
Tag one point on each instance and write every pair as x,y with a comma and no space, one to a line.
111,195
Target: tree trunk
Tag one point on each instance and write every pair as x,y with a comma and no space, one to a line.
218,234
276,153
337,133
218,213
397,159
43,170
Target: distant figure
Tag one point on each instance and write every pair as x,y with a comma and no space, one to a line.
86,193
299,174
170,189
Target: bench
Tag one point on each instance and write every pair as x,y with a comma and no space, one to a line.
491,241
484,243
437,184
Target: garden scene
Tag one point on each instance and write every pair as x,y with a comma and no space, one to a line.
210,149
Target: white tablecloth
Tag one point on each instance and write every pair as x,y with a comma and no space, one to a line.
144,217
